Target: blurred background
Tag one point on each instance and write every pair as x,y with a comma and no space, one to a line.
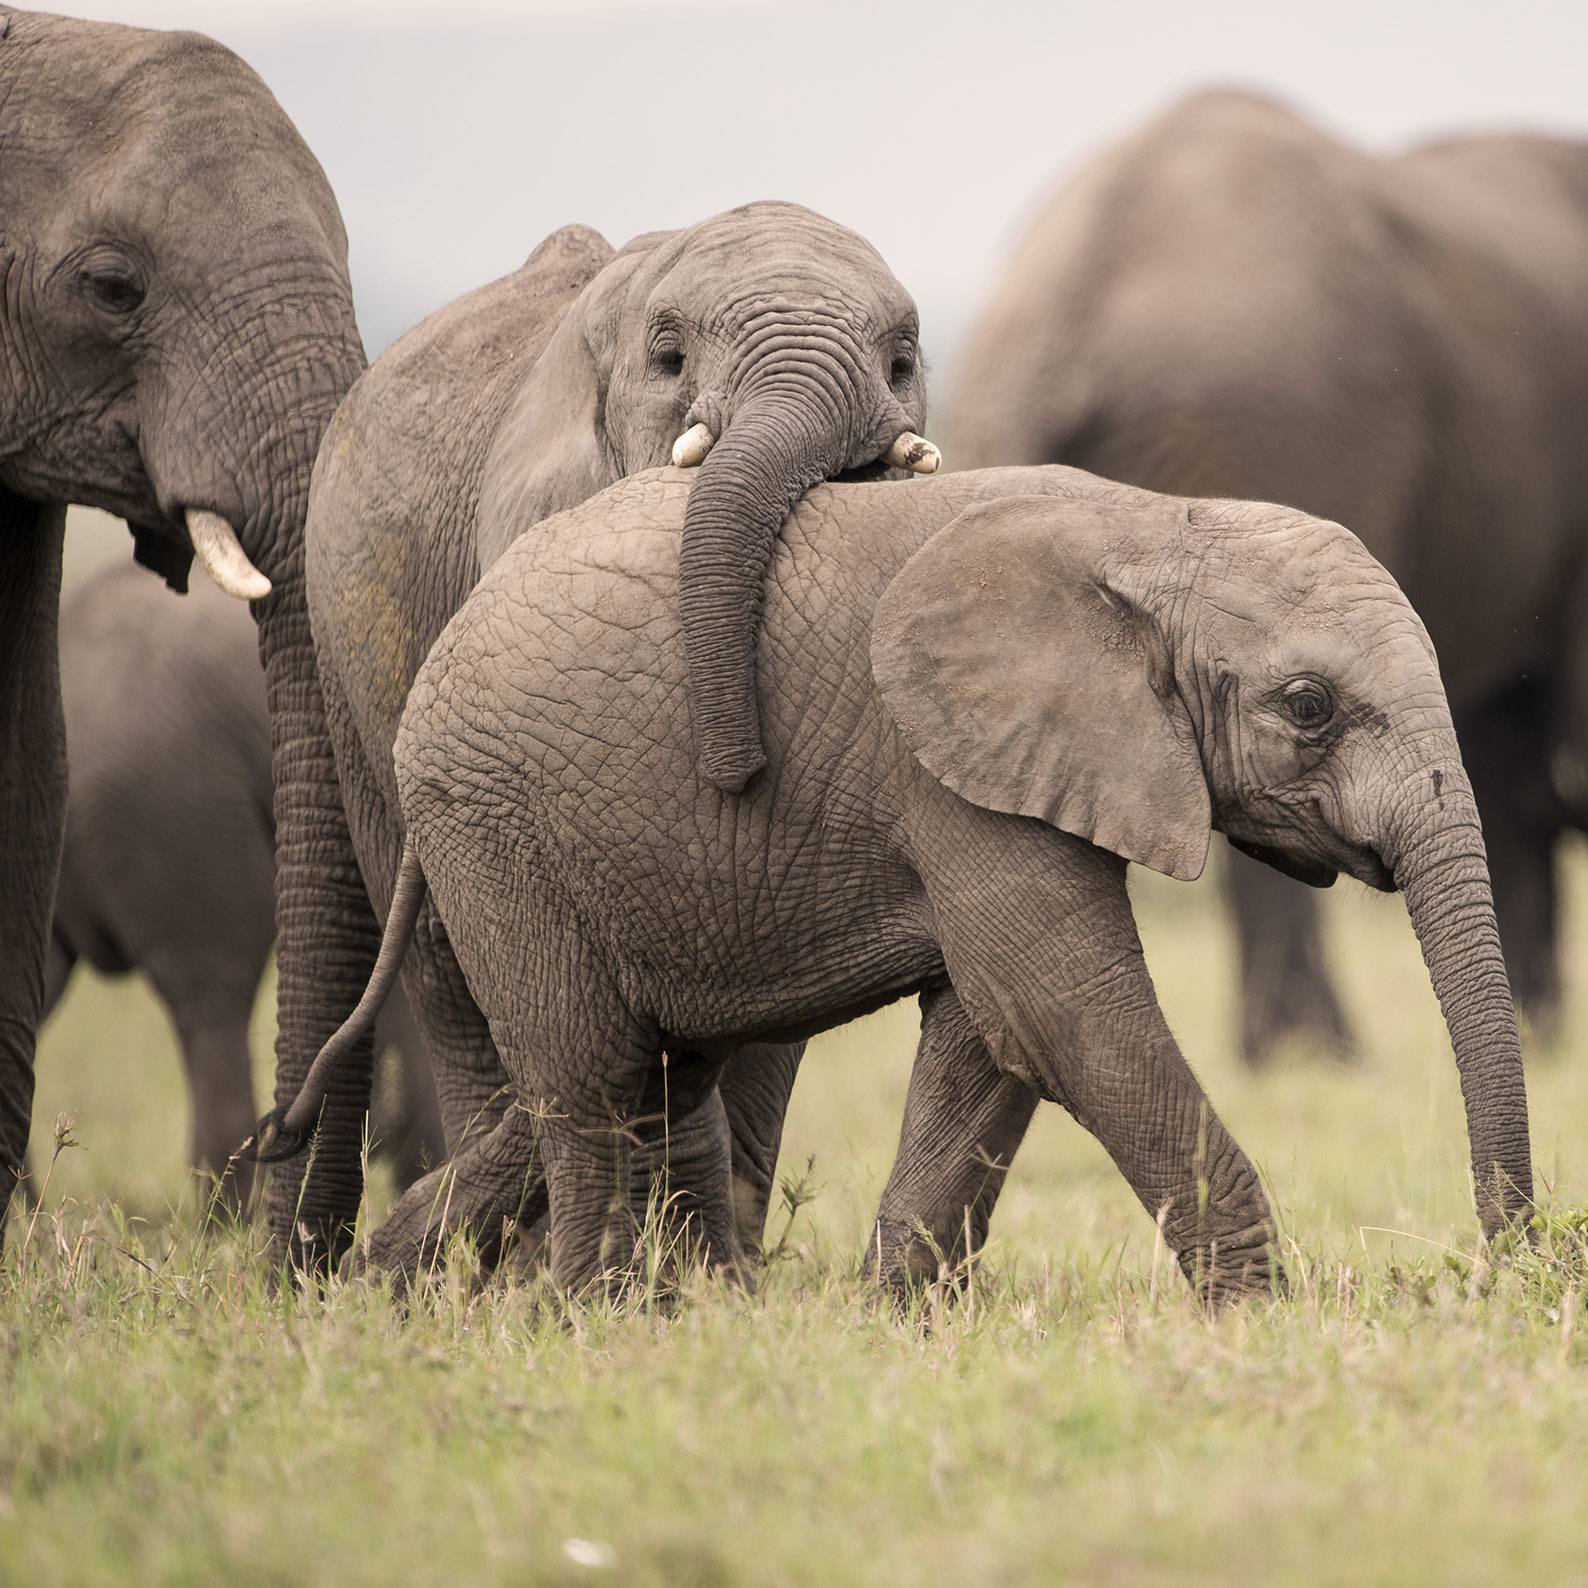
457,136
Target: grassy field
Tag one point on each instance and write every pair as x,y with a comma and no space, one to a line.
1413,1414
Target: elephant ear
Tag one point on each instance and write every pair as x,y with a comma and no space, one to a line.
1024,678
551,450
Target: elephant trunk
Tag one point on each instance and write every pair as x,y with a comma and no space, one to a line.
1442,870
327,936
778,445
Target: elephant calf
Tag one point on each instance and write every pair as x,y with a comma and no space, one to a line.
982,695
169,860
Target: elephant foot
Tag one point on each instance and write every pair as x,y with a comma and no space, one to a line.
1220,1277
906,1259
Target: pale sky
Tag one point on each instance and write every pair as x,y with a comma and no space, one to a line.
457,133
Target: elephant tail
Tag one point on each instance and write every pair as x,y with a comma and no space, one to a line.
285,1131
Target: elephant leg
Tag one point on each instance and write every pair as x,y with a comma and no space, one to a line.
1285,987
755,1086
471,1085
1505,746
215,1054
1073,1013
493,1186
964,1120
58,967
469,1081
32,801
682,1166
406,1121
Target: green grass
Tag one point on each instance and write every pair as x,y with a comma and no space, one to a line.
1414,1414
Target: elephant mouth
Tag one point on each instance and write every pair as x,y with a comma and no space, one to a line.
870,473
1312,872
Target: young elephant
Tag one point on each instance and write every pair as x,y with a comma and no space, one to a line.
768,347
981,695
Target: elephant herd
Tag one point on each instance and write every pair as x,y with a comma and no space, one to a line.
626,699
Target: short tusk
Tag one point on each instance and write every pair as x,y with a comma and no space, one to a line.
914,453
216,545
690,449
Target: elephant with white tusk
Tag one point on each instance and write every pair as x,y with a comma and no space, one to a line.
176,328
762,352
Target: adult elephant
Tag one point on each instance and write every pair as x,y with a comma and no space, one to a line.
177,327
170,855
770,348
1233,303
993,690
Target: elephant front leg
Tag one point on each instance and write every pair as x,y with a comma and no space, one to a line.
32,801
964,1119
1041,947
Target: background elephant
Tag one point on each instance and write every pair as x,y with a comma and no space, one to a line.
170,856
783,334
177,326
1232,303
992,690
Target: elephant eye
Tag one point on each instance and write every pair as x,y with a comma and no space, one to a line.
112,280
668,359
1307,703
902,370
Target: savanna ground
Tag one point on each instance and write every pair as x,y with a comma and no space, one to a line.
1413,1414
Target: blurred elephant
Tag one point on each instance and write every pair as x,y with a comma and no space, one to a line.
992,690
170,858
768,349
1232,303
176,327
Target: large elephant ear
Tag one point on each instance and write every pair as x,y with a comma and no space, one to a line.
1027,680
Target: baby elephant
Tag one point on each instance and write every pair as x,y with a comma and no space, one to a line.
982,695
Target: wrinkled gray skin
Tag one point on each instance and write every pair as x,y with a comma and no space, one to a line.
1231,303
175,330
169,862
981,695
782,331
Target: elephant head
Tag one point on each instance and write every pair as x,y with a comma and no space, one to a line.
770,347
1141,675
178,323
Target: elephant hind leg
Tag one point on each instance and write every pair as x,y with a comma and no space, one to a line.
964,1120
494,1186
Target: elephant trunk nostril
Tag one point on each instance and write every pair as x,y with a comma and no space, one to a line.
690,449
914,453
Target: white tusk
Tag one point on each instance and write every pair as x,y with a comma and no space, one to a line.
216,545
914,453
690,449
